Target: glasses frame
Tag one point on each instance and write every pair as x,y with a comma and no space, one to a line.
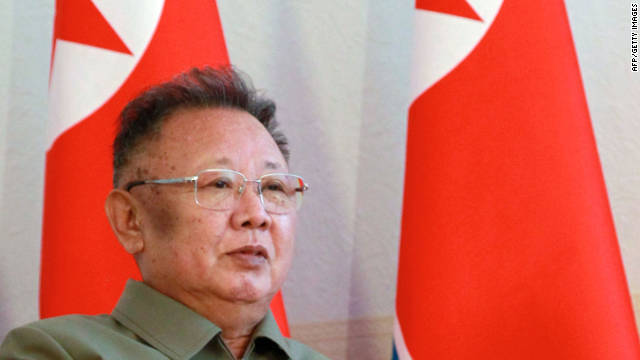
194,179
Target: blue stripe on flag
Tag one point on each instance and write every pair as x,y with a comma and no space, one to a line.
394,355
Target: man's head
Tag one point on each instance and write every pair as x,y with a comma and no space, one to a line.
205,119
142,118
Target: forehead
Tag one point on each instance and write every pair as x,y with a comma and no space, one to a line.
219,121
193,139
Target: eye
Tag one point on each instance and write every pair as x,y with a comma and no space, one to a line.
220,182
274,185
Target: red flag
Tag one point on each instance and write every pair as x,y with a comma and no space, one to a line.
105,53
508,249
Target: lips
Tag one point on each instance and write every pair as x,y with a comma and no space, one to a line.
250,255
255,250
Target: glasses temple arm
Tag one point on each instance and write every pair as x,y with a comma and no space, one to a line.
160,181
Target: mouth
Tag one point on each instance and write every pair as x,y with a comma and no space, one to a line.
250,255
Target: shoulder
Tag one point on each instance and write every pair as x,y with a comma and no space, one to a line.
31,342
72,322
64,327
301,351
66,337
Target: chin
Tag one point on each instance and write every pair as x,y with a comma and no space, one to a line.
251,291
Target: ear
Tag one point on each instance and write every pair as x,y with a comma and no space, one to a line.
124,216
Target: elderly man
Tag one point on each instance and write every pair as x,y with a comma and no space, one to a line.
204,202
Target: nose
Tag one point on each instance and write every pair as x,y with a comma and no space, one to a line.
249,212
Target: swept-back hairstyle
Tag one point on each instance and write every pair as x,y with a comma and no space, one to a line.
197,88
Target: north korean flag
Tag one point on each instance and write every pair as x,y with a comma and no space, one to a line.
104,53
508,248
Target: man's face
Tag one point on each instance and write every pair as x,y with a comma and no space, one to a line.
239,255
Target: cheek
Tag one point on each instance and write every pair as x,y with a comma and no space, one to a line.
283,234
163,214
191,236
165,223
207,224
203,233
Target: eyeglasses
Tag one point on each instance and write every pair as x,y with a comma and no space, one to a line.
220,189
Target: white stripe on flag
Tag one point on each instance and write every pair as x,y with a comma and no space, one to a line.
398,339
442,41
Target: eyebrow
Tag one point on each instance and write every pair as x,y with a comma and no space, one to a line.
271,165
222,161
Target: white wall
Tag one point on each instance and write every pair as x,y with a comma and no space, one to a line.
340,76
601,31
25,48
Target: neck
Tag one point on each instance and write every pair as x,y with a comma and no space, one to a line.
237,320
237,345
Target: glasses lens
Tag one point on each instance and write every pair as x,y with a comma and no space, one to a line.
218,189
282,193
